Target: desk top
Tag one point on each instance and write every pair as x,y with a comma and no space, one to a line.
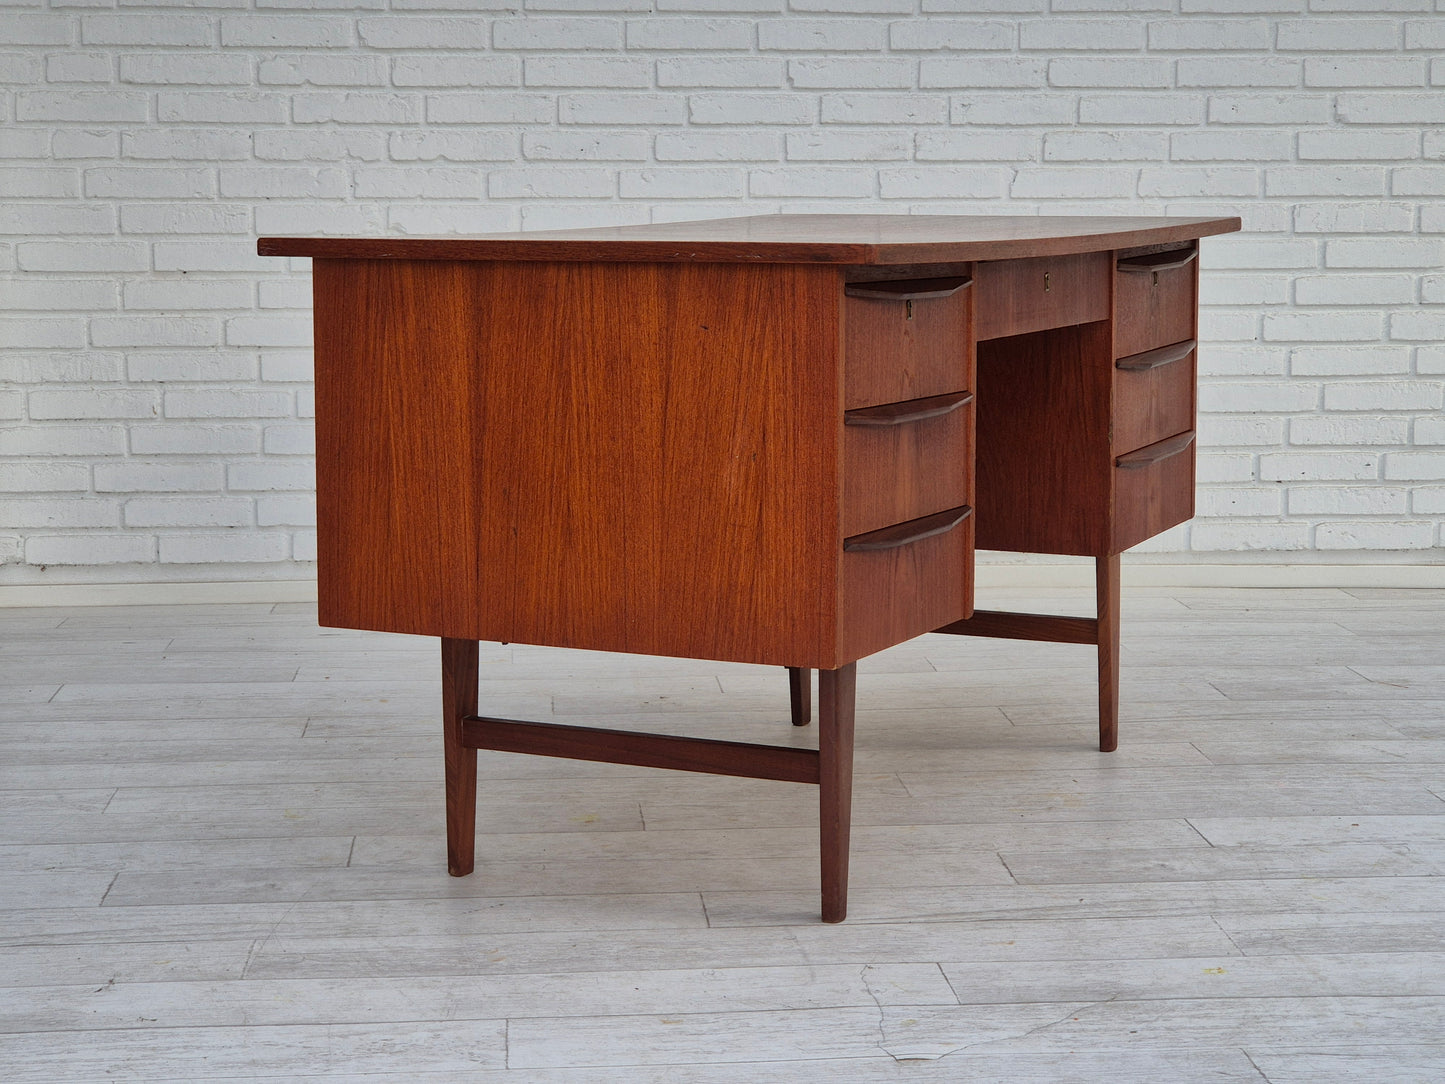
818,239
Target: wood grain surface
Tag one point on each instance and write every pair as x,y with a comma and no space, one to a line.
894,473
1014,297
1153,403
899,350
831,238
593,456
1155,495
1156,307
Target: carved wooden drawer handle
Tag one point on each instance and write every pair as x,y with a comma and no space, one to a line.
1156,452
908,289
1158,261
914,530
1153,359
911,410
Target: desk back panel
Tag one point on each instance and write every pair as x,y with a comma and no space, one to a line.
582,455
1044,466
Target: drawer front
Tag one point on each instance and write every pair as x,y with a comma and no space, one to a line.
1154,300
894,594
1153,396
899,470
1153,490
904,340
1014,297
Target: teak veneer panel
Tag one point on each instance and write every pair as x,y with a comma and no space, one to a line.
397,437
586,455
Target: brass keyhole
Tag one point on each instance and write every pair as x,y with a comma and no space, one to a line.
1046,282
1156,278
908,310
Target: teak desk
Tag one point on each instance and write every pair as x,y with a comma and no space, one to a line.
770,440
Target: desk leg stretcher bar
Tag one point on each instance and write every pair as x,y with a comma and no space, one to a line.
829,767
1102,631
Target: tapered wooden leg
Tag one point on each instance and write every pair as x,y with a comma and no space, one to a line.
1106,583
800,693
836,690
459,700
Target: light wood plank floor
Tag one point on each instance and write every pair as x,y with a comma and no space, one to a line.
222,858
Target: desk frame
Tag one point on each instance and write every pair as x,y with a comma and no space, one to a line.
428,451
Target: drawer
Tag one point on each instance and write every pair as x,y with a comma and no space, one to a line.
1153,396
1154,300
1014,297
894,589
1153,489
906,460
904,339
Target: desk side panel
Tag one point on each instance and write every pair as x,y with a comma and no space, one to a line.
396,511
633,457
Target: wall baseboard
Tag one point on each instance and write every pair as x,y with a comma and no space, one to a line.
1080,573
1073,574
157,594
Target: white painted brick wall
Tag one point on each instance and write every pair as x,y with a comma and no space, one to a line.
154,372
